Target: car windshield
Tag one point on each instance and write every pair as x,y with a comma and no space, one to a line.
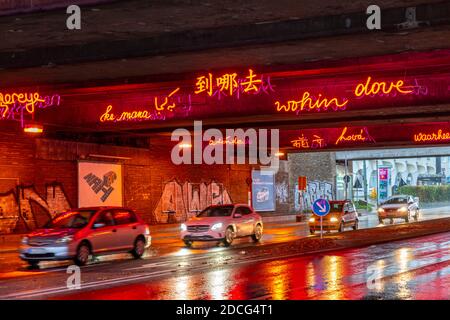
396,201
222,211
336,207
71,219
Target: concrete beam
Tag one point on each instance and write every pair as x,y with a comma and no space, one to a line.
393,20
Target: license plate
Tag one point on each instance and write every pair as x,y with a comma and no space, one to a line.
36,251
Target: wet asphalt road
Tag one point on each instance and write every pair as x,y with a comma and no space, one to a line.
170,271
412,269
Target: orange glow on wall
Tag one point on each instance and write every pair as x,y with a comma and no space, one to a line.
28,99
362,136
310,103
439,135
380,87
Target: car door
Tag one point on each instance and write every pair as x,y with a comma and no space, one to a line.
126,223
239,222
104,232
249,220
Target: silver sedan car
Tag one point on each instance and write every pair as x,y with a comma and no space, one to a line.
79,233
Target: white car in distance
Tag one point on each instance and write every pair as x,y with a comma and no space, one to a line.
223,224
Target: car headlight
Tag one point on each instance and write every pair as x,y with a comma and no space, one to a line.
216,226
380,210
402,209
25,240
183,227
333,219
64,239
312,219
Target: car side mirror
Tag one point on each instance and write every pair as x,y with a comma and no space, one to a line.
237,215
99,225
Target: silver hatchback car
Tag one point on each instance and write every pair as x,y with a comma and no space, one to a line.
79,233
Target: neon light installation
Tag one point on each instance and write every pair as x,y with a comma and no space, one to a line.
229,84
362,136
309,103
381,88
227,140
437,136
302,142
19,103
160,112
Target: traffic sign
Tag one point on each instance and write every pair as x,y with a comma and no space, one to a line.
321,207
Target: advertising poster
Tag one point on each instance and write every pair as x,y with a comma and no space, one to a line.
99,184
263,191
383,181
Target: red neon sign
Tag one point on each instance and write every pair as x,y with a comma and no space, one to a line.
167,104
227,140
229,84
303,142
362,136
310,103
380,87
437,136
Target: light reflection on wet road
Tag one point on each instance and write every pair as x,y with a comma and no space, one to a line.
410,269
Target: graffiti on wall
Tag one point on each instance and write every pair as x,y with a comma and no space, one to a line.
23,209
314,190
184,200
282,191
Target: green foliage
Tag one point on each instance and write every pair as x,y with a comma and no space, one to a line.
427,194
361,204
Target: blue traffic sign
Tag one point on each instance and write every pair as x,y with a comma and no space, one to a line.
321,207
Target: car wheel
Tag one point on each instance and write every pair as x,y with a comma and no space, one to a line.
83,253
355,227
188,243
258,233
139,248
229,237
341,227
34,264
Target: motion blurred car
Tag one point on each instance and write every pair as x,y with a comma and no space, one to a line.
223,223
403,206
79,233
342,215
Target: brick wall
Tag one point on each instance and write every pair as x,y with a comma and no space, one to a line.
36,164
320,171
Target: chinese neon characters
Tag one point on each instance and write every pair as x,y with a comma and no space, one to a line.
230,84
